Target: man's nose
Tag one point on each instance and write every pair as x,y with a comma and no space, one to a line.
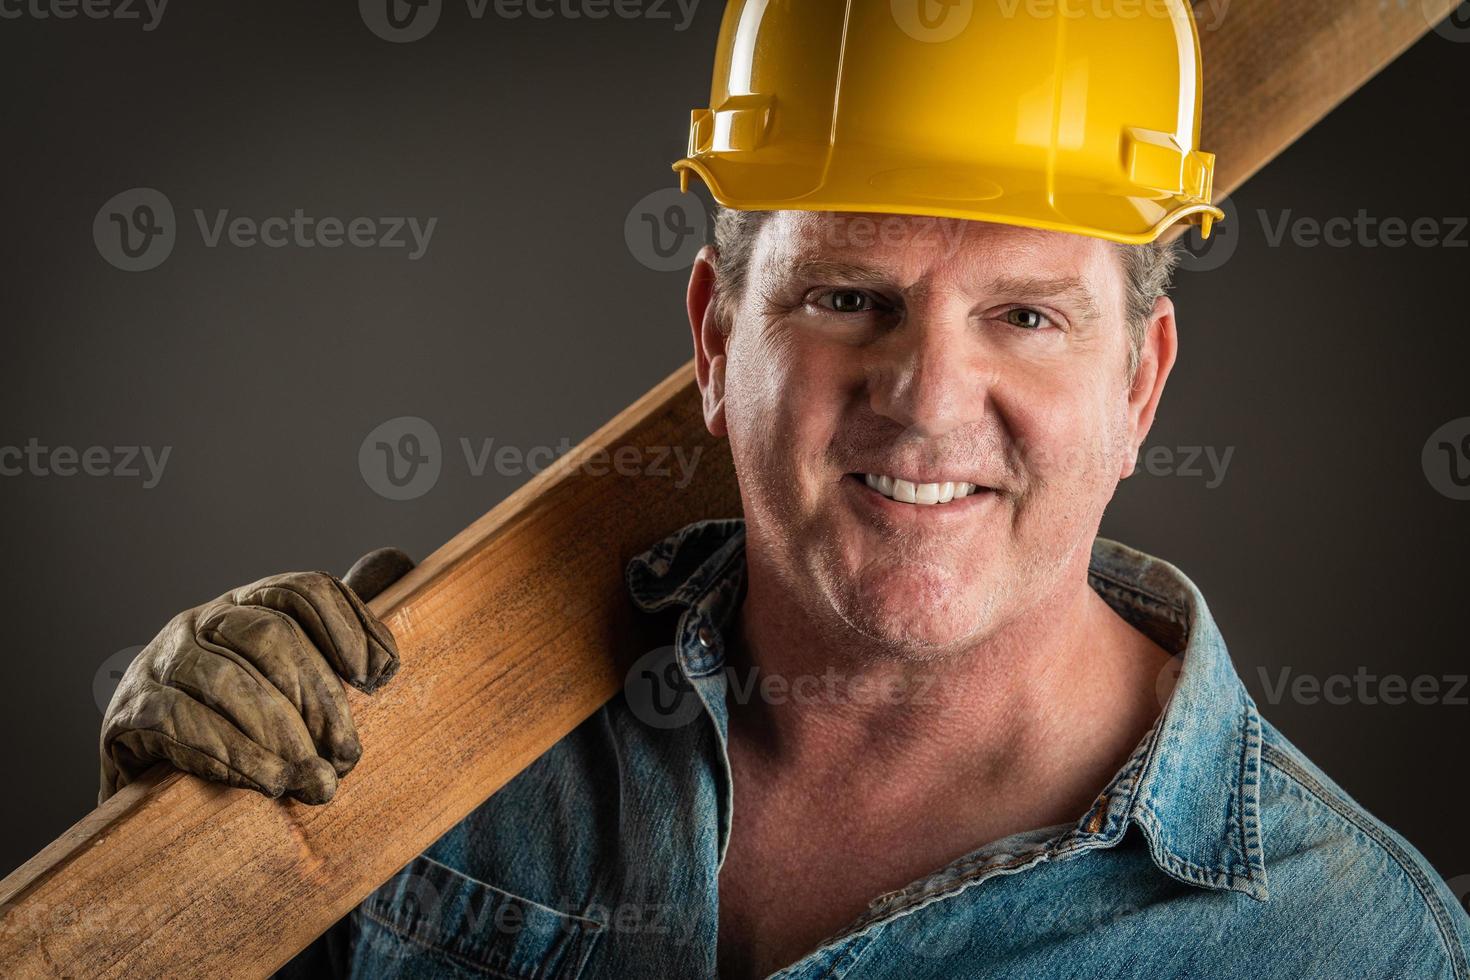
926,377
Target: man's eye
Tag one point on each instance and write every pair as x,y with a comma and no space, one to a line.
847,301
1026,319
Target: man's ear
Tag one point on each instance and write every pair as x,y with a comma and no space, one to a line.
1156,360
709,342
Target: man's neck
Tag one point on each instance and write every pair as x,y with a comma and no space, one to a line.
841,793
1035,718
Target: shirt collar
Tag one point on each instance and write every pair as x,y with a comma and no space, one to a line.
701,570
1191,785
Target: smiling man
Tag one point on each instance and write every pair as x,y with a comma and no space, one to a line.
926,438
917,720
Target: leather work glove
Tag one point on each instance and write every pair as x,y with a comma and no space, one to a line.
245,689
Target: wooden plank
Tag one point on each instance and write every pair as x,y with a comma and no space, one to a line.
511,633
505,636
1273,68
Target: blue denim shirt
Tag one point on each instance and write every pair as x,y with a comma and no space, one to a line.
1218,850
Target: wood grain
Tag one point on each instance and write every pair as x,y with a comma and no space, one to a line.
1273,68
512,633
509,635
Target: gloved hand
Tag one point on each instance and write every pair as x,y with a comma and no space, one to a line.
244,689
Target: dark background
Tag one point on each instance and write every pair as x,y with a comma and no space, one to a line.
1326,548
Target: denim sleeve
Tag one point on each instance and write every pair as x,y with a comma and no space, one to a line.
329,955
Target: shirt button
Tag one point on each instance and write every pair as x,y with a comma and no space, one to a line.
706,637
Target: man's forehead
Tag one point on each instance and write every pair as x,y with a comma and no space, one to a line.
903,248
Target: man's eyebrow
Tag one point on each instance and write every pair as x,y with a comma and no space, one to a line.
830,270
1035,287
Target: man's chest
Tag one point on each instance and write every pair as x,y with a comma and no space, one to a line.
777,902
594,863
797,872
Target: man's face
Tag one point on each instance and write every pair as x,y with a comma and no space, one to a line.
872,349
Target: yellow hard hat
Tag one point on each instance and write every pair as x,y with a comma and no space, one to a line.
1071,115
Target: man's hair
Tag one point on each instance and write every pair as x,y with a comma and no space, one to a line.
1148,270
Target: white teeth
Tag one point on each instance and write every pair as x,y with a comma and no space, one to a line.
919,493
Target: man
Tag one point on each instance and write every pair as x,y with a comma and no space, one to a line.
933,327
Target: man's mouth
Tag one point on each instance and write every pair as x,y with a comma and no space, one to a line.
922,494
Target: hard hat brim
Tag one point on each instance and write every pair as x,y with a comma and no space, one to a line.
1024,200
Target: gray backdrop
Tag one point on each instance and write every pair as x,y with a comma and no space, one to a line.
1297,471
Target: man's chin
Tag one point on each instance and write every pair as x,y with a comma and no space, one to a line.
920,616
